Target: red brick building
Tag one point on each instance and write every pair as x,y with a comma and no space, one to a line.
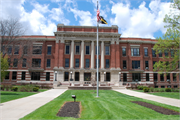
70,57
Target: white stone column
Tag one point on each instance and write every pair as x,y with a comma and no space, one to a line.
102,55
92,54
82,55
72,54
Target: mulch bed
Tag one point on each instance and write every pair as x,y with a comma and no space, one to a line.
70,109
157,108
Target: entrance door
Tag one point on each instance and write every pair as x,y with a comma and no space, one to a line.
87,76
76,76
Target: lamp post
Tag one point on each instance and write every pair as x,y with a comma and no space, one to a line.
71,76
104,76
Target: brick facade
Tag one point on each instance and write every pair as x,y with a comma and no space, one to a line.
83,36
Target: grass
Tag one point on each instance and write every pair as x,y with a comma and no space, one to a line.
10,95
175,95
110,105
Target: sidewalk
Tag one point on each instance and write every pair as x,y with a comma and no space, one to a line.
16,109
164,100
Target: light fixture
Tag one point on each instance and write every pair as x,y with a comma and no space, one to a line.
74,96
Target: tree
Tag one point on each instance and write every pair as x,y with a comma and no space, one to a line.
4,66
12,41
169,43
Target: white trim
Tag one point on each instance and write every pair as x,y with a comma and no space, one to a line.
135,46
37,43
123,46
49,45
145,47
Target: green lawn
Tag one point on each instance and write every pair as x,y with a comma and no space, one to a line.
175,95
110,105
10,95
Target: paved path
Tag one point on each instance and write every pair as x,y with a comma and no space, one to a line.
164,100
15,109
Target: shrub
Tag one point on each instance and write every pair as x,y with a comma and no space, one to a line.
14,88
35,89
168,89
139,87
2,88
151,89
146,89
23,89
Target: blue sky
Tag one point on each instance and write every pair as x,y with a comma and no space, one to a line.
135,18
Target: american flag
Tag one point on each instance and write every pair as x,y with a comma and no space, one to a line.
98,12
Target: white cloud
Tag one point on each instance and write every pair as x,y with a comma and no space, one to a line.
140,22
41,8
85,17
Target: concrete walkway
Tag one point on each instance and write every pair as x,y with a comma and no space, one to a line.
15,109
164,100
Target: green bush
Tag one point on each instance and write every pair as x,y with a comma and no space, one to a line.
2,88
35,89
168,89
151,89
14,88
140,87
146,89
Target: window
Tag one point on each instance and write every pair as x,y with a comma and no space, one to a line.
168,77
16,50
24,62
55,75
98,50
160,53
162,77
15,63
3,50
124,64
146,64
172,53
7,76
136,76
169,86
155,77
67,62
47,76
134,51
87,50
9,49
36,62
77,63
135,64
107,50
154,63
147,76
98,63
174,76
107,63
49,50
37,49
145,51
25,50
175,86
153,53
166,53
48,63
77,49
66,76
107,76
124,77
162,86
35,75
67,49
87,63
14,75
76,76
124,51
23,76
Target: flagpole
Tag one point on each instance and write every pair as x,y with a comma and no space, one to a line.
97,65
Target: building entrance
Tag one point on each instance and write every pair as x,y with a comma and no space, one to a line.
87,76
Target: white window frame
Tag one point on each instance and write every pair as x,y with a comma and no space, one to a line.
89,50
105,49
69,49
47,49
79,50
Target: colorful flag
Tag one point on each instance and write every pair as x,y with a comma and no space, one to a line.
100,19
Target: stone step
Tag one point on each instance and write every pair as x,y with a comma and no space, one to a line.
118,87
61,87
